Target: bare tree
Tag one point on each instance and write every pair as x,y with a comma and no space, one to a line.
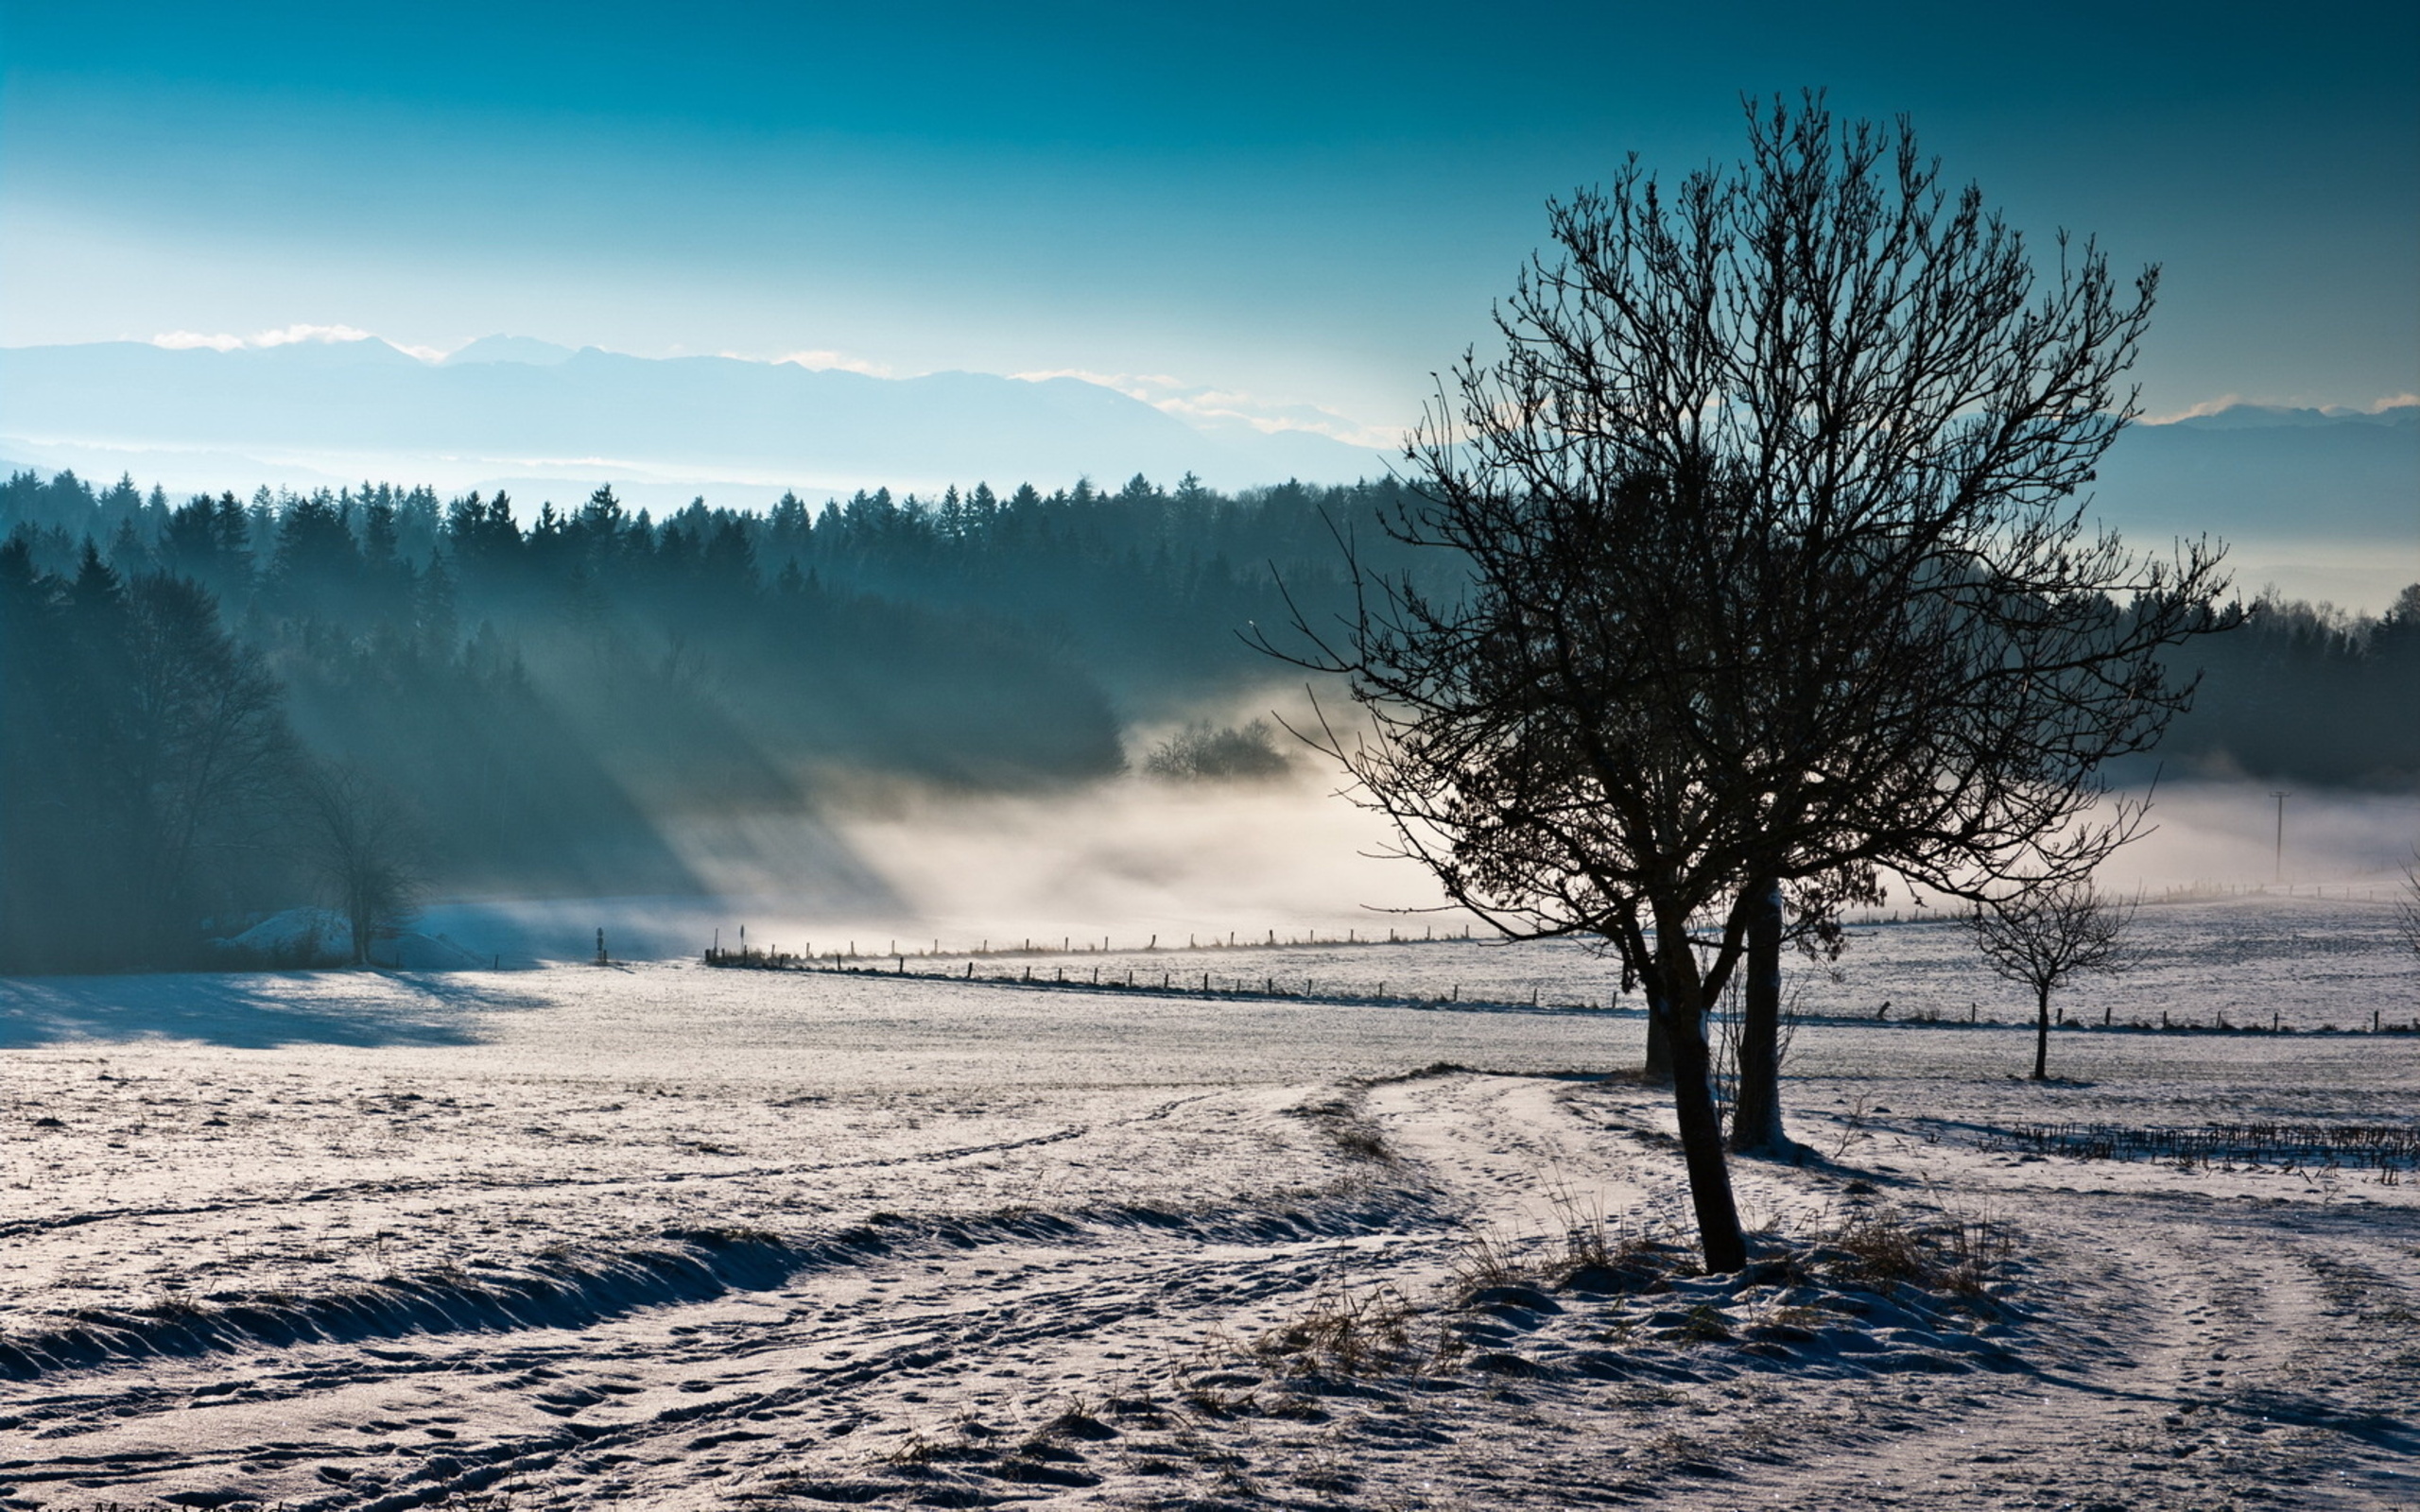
1770,573
1200,753
365,844
2406,904
2046,935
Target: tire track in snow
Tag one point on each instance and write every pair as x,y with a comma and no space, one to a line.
27,1226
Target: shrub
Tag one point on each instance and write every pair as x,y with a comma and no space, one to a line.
1228,754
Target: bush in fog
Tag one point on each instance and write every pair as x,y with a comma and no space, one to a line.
365,845
1228,754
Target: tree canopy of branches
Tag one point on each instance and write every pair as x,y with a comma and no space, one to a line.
365,846
1774,571
1228,753
2042,937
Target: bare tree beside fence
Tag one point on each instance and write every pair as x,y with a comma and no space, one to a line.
2045,936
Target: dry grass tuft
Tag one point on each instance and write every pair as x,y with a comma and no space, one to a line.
913,1452
1588,1252
1489,1259
1078,1419
1345,1334
1956,1251
1351,1129
1882,1250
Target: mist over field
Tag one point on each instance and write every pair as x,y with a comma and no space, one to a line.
1135,864
902,709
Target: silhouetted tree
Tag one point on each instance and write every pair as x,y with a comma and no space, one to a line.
2047,935
146,751
1228,753
207,540
366,847
2406,904
204,754
1772,574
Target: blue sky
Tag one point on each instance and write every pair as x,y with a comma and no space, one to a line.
1287,211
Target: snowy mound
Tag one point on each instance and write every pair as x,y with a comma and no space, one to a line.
321,937
297,937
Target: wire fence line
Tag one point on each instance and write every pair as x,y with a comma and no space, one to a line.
1133,977
1069,945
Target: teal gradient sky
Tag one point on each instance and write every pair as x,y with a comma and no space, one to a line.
1307,209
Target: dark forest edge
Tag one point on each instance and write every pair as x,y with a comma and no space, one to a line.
217,708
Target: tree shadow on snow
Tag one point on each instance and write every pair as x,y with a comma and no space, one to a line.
252,1010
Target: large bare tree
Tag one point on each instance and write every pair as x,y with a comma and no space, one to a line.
1770,571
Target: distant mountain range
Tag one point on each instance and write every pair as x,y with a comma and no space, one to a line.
2327,502
2255,473
511,408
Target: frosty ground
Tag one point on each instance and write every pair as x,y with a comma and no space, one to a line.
669,1237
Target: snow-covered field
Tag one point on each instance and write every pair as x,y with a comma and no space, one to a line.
662,1236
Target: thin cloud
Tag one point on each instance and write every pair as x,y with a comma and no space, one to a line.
1200,403
291,335
822,361
2227,401
1196,404
188,340
2207,407
284,336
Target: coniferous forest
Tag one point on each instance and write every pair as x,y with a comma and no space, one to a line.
214,708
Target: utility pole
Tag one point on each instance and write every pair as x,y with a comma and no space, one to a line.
2278,871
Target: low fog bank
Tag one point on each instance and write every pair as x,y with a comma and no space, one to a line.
1133,860
2225,835
1125,861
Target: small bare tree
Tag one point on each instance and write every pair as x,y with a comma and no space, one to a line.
2046,935
365,844
1202,753
2407,909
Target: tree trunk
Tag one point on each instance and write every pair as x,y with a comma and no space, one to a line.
1658,1070
2041,1033
1679,1004
1756,1115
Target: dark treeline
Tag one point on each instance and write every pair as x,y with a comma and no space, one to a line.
551,698
2308,693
